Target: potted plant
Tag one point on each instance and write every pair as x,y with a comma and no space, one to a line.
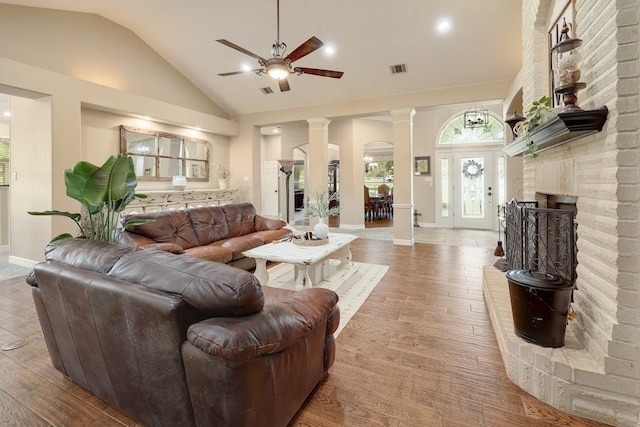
103,193
321,208
223,177
539,113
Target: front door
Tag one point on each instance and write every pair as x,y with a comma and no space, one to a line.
472,190
466,189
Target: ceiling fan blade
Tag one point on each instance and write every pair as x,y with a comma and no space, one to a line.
319,72
304,49
241,49
233,73
284,85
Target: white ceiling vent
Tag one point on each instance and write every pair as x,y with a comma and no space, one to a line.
399,68
266,90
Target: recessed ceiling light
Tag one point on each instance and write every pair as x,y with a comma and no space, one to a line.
246,67
329,50
7,114
444,26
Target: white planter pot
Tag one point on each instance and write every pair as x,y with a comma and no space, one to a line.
223,184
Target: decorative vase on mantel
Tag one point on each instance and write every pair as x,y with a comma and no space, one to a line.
223,183
321,229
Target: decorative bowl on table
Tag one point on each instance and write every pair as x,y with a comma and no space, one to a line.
310,242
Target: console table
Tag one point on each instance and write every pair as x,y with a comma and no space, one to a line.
169,200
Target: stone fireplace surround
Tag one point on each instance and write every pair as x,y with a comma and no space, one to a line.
580,378
597,373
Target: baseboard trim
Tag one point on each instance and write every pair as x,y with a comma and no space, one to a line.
403,242
352,226
22,262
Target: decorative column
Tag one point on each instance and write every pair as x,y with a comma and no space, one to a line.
403,176
317,157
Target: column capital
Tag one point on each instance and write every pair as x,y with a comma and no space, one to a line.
318,122
400,114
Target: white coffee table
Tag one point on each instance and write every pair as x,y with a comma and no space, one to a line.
308,261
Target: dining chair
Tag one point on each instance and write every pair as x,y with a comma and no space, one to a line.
368,205
383,205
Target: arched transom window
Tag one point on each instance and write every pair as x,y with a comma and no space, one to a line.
456,133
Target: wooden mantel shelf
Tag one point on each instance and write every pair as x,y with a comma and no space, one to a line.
561,129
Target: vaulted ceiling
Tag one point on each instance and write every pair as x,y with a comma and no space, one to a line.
369,36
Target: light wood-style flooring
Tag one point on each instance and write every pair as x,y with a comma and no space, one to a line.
419,352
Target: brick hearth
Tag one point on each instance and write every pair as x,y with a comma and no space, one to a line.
568,377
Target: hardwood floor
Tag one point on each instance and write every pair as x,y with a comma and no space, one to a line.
419,352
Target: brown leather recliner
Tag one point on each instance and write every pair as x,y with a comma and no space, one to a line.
174,340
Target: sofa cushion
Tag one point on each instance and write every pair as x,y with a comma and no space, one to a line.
86,254
214,288
166,227
241,218
211,252
209,224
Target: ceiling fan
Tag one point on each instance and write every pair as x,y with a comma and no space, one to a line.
279,66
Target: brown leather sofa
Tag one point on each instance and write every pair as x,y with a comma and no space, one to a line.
216,233
180,341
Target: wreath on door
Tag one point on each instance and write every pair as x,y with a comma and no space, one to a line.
472,169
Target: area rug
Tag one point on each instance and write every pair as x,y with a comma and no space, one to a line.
353,291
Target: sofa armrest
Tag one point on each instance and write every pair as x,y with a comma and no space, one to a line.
275,328
30,278
132,239
262,223
167,247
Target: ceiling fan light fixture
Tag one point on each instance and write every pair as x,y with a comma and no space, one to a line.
278,71
278,67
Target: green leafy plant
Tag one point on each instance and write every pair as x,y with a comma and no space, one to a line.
532,150
223,172
536,115
322,208
103,192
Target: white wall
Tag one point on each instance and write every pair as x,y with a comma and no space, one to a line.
89,47
32,164
26,65
101,138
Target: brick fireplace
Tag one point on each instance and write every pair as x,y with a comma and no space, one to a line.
597,373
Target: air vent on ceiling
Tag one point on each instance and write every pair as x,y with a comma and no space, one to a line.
266,90
399,68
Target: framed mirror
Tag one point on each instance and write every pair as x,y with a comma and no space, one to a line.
159,156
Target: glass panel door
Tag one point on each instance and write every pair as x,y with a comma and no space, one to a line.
473,190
